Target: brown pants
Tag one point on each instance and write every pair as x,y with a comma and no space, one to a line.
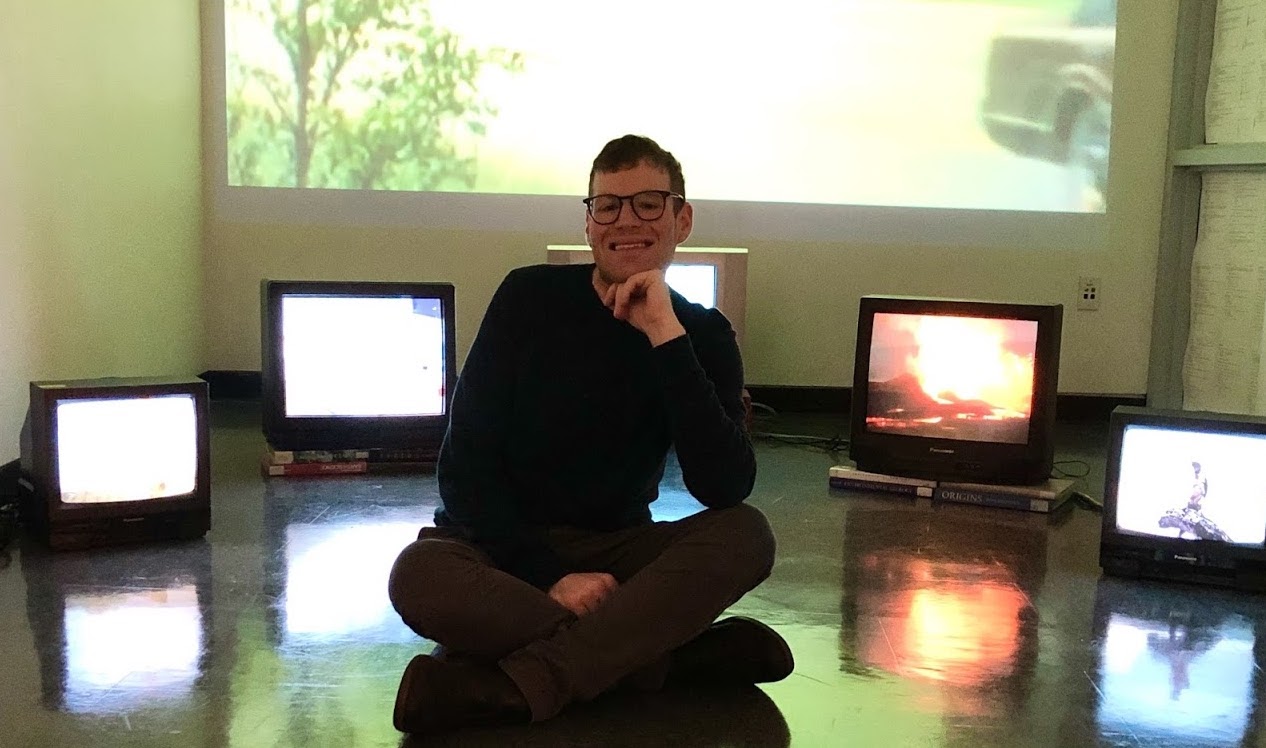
675,579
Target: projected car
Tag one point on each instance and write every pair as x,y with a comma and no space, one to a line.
1048,95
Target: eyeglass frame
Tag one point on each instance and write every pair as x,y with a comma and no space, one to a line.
666,194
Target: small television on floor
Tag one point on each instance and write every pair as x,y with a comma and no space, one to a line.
357,364
949,389
116,460
1185,497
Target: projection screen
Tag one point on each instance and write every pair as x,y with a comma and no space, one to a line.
953,121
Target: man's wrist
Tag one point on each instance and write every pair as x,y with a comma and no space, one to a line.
660,334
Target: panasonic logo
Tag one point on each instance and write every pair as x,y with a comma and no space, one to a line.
940,451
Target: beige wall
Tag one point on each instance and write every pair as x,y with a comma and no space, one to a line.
802,298
99,220
100,181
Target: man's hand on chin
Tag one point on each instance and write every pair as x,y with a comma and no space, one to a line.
644,302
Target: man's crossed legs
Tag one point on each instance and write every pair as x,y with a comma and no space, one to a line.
516,654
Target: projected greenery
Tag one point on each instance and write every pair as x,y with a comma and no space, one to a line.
499,98
353,94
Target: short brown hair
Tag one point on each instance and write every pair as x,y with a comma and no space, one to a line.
630,150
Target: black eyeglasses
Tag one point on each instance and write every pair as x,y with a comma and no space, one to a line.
648,205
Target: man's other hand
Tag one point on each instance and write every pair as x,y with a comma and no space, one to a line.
582,593
644,302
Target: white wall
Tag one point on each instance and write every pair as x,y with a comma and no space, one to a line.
802,297
100,182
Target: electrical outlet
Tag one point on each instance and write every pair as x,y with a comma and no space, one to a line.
1088,293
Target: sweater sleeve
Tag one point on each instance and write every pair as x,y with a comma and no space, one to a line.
702,375
478,496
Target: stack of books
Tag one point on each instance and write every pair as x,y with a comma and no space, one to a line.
308,462
1044,497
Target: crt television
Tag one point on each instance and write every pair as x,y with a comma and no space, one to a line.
357,364
1185,497
949,389
116,460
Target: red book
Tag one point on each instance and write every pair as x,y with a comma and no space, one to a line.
351,467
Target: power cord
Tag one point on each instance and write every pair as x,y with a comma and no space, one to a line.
828,444
1086,501
1080,469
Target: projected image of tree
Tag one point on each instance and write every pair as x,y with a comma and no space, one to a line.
946,104
352,94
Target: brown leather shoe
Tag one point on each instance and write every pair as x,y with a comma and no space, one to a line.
440,695
737,651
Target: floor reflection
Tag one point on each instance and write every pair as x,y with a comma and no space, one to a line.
327,591
119,630
1177,669
324,650
944,597
913,624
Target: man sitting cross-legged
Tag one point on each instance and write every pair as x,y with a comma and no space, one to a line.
545,581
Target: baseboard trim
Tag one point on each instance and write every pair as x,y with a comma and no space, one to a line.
233,384
799,399
1073,406
1069,406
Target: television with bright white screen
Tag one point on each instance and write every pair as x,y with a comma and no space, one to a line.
713,277
948,389
1185,497
115,460
357,364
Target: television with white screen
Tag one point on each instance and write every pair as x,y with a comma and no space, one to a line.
948,389
116,460
357,364
1185,497
713,277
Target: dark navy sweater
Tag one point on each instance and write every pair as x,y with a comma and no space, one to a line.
564,415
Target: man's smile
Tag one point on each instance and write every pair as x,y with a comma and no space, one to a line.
627,244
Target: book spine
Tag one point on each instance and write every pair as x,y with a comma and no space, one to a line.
1018,492
905,489
402,455
993,498
399,467
352,467
291,457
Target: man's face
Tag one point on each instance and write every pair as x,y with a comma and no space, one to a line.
631,245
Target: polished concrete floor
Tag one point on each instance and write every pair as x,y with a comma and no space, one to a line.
912,625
